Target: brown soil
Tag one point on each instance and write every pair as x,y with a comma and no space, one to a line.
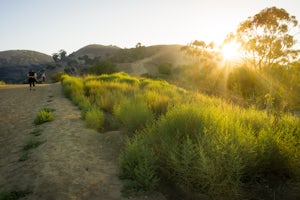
72,163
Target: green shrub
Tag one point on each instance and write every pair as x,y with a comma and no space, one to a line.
14,194
94,118
199,144
57,77
102,67
138,168
2,83
44,115
36,132
165,68
72,86
32,144
158,102
24,157
133,114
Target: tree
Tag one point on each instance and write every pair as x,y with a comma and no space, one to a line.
266,38
60,56
55,57
200,51
103,67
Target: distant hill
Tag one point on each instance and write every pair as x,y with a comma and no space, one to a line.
138,61
95,50
150,58
23,57
15,64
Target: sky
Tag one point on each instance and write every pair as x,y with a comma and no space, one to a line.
48,26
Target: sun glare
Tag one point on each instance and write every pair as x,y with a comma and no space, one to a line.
230,52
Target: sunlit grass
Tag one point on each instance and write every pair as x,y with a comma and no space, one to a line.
199,143
44,115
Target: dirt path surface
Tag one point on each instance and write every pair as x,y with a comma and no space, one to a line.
73,162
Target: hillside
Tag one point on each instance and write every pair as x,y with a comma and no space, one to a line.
95,50
138,61
14,64
150,58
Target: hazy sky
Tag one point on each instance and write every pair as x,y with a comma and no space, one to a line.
50,25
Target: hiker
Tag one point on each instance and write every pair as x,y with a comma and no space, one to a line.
43,77
31,78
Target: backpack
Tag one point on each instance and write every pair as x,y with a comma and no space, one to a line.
31,73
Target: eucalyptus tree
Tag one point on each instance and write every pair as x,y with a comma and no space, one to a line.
268,38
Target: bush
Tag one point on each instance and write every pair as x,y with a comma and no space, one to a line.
44,115
102,67
158,102
133,114
138,168
94,118
57,77
165,68
197,143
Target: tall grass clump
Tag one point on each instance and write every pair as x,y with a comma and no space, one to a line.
218,150
94,118
198,144
120,77
133,113
44,115
72,86
74,89
138,168
107,94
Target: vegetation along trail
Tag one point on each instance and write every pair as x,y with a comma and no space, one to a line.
71,162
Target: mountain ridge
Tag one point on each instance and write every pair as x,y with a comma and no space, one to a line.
15,64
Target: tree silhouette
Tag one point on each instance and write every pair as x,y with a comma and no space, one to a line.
266,38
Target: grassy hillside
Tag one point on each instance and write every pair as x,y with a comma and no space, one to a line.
15,64
191,143
95,50
22,58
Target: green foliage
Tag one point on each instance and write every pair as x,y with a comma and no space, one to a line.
157,101
72,86
2,83
102,67
266,39
24,156
216,150
32,144
138,168
14,194
44,115
57,77
165,68
199,144
133,114
94,118
245,82
36,132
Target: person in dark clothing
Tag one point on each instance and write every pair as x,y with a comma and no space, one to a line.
31,78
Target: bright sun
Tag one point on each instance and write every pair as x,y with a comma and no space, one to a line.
230,51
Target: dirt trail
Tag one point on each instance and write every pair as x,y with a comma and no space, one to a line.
73,162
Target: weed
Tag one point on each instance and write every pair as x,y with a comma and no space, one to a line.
36,132
94,118
44,115
24,156
32,144
14,194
